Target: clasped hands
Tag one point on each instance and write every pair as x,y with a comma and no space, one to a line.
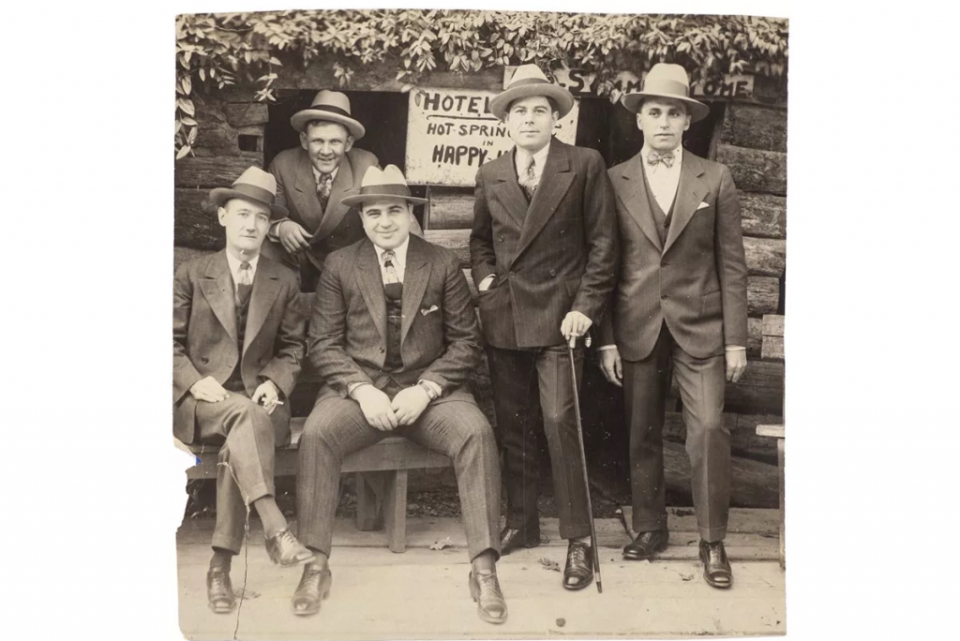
385,414
210,391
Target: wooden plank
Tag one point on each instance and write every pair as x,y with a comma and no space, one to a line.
243,114
456,240
368,487
211,172
744,440
776,431
763,215
754,337
395,511
765,256
754,169
394,453
451,208
782,465
763,295
772,348
759,390
755,126
773,325
753,483
195,223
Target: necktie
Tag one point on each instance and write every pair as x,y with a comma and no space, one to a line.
529,179
653,159
389,268
324,183
244,283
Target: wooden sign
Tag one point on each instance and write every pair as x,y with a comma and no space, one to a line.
578,83
450,133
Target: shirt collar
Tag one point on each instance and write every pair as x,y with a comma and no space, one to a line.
234,264
400,252
540,158
316,173
677,153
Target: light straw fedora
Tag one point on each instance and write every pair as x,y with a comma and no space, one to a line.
382,183
253,184
667,81
529,80
332,106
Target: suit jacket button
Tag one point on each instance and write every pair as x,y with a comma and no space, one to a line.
204,359
512,274
553,272
563,231
664,297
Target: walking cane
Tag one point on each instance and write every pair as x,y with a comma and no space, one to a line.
583,459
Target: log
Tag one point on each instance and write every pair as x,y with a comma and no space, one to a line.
754,337
772,325
754,169
772,345
744,440
246,113
765,256
763,215
450,208
456,240
212,172
759,390
754,484
763,295
195,223
755,126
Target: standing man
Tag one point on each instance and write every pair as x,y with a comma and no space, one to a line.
395,338
312,182
544,254
237,344
680,303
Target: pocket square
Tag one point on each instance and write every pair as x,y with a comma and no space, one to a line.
703,205
426,311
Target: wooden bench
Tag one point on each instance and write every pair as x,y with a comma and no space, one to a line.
380,475
780,433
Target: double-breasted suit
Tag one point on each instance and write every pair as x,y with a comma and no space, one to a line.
551,255
208,342
681,299
333,228
439,342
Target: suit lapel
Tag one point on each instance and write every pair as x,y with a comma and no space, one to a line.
371,286
415,279
308,203
266,287
690,193
217,288
554,183
335,211
508,190
632,192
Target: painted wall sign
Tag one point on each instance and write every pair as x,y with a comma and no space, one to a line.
582,84
450,133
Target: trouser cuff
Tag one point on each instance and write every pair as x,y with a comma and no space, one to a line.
227,543
713,534
650,525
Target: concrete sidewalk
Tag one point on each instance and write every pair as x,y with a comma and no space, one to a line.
423,593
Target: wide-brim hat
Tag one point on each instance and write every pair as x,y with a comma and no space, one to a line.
666,81
383,183
253,184
529,80
332,106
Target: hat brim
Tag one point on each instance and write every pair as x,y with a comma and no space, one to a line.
221,195
359,199
301,118
698,110
563,98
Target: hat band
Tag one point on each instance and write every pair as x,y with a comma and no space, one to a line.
528,81
400,191
254,192
668,87
331,109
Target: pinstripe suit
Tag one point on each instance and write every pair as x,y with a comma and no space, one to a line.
556,254
440,342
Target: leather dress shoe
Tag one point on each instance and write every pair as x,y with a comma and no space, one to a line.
314,587
513,539
646,545
716,567
284,549
578,572
219,590
485,591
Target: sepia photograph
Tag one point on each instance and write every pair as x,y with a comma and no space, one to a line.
479,324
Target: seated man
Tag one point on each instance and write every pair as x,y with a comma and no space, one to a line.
237,345
395,338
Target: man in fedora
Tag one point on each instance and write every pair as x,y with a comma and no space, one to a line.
238,337
544,253
311,183
394,336
680,304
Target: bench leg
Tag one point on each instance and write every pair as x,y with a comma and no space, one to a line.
781,445
395,511
370,490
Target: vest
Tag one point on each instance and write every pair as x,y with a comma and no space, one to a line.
660,219
393,292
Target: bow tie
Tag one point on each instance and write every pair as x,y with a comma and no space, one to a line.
667,159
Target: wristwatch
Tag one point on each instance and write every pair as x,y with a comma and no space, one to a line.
431,393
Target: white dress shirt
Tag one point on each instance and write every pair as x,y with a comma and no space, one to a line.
399,263
234,264
663,180
522,161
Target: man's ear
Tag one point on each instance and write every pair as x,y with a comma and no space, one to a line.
687,126
348,145
222,215
303,140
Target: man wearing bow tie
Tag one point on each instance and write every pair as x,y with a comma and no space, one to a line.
394,336
681,305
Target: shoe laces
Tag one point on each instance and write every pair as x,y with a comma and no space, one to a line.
579,553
